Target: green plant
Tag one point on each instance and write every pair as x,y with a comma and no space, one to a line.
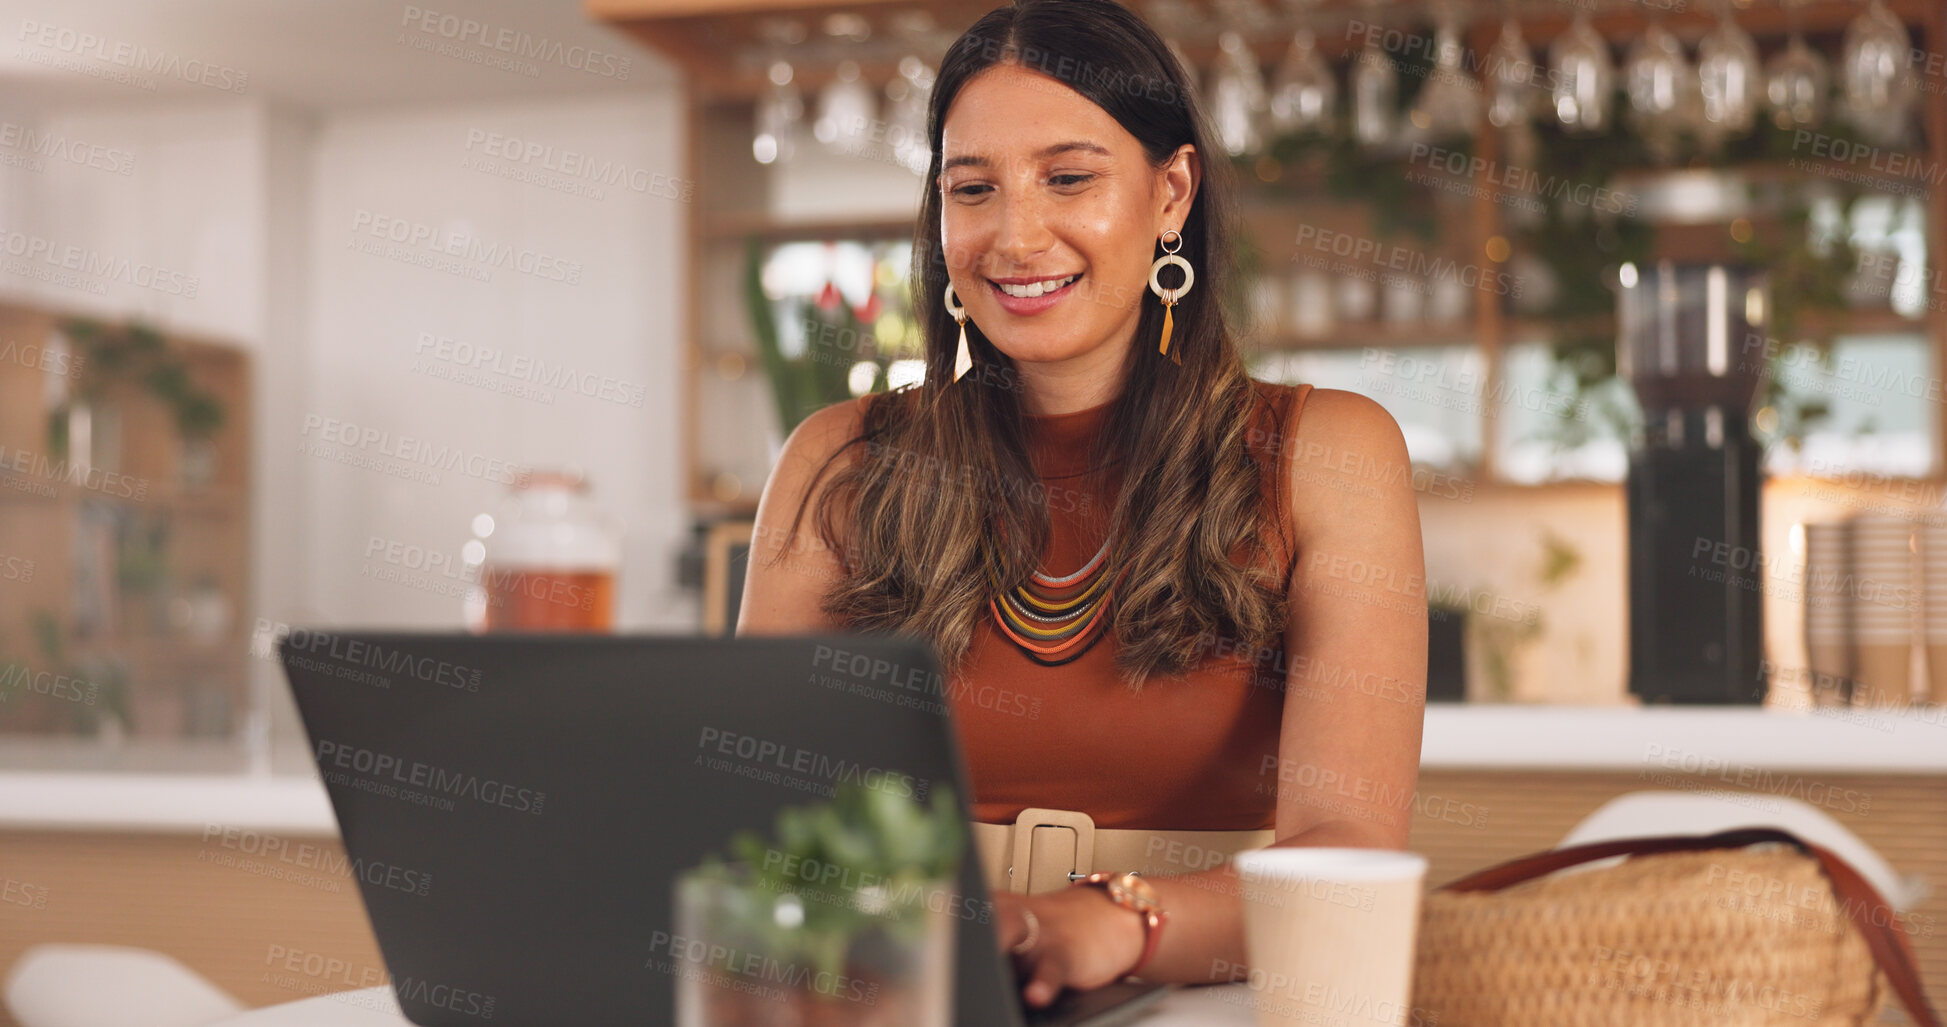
1560,560
1807,276
1500,640
133,353
1581,250
142,554
100,687
871,854
1354,172
835,340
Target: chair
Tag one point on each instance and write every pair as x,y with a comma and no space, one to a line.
726,557
1658,813
58,985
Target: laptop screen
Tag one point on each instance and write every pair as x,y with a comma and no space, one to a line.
527,807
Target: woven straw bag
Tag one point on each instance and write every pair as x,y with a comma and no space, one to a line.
1687,932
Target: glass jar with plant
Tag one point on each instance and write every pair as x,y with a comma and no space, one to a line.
136,355
63,692
1498,647
843,917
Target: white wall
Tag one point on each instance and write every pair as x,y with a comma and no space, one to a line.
817,184
283,494
251,206
365,362
254,208
190,204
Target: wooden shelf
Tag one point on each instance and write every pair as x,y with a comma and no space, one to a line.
719,46
1865,321
718,42
172,651
1799,169
223,502
1527,329
1362,334
112,550
720,226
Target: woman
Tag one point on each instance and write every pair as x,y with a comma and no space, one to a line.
1088,462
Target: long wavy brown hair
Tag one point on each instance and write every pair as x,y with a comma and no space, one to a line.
940,508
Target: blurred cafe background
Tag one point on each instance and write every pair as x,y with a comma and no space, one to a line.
488,314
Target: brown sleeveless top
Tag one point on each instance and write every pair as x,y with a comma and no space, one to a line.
1181,754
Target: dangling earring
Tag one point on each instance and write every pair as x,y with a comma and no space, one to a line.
962,360
1170,296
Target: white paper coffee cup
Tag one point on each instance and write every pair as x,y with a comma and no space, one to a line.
1330,934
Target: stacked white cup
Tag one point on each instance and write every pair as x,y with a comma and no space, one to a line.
1883,593
1933,571
1828,613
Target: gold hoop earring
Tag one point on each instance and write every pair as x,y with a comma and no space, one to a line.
1170,296
963,359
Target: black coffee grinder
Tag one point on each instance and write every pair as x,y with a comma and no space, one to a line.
1691,341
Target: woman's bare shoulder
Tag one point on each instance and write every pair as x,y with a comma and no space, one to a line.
1349,458
793,567
1351,420
824,432
838,430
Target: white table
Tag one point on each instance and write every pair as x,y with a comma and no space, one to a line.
1457,737
1218,1006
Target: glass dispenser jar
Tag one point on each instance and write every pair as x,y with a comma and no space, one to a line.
547,561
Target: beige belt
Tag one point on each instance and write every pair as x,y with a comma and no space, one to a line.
1045,849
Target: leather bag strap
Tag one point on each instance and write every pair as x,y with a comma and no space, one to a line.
1888,944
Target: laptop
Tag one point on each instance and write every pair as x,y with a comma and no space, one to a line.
515,807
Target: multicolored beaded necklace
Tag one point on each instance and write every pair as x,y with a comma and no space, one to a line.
1057,620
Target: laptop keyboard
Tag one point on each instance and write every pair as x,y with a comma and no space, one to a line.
1115,1003
1059,1012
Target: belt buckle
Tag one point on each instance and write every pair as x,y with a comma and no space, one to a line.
1021,872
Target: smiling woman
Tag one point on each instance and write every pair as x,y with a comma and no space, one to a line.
1097,518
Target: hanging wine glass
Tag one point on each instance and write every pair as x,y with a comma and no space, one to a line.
779,111
1450,102
1876,79
1237,100
1514,95
780,108
1728,78
1375,94
1511,78
1795,85
907,96
1662,89
846,109
1303,93
908,93
1584,77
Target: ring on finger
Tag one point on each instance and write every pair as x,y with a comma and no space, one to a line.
1034,934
